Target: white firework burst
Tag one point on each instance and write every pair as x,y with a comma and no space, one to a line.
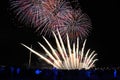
69,57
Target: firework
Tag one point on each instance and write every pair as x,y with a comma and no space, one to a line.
41,14
28,11
66,57
76,24
49,15
53,11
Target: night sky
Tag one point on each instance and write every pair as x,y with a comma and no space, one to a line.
104,37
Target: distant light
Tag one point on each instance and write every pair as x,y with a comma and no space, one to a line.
2,68
18,70
37,71
12,69
54,69
115,73
88,73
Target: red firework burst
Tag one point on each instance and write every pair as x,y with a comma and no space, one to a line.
53,11
49,15
28,11
43,14
76,24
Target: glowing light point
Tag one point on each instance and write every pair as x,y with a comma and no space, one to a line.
37,71
18,71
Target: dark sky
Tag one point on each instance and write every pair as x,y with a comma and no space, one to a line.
104,37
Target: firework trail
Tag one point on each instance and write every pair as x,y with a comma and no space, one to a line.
70,58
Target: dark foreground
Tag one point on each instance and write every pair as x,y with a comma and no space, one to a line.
19,73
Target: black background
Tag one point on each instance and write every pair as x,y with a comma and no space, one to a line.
104,37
